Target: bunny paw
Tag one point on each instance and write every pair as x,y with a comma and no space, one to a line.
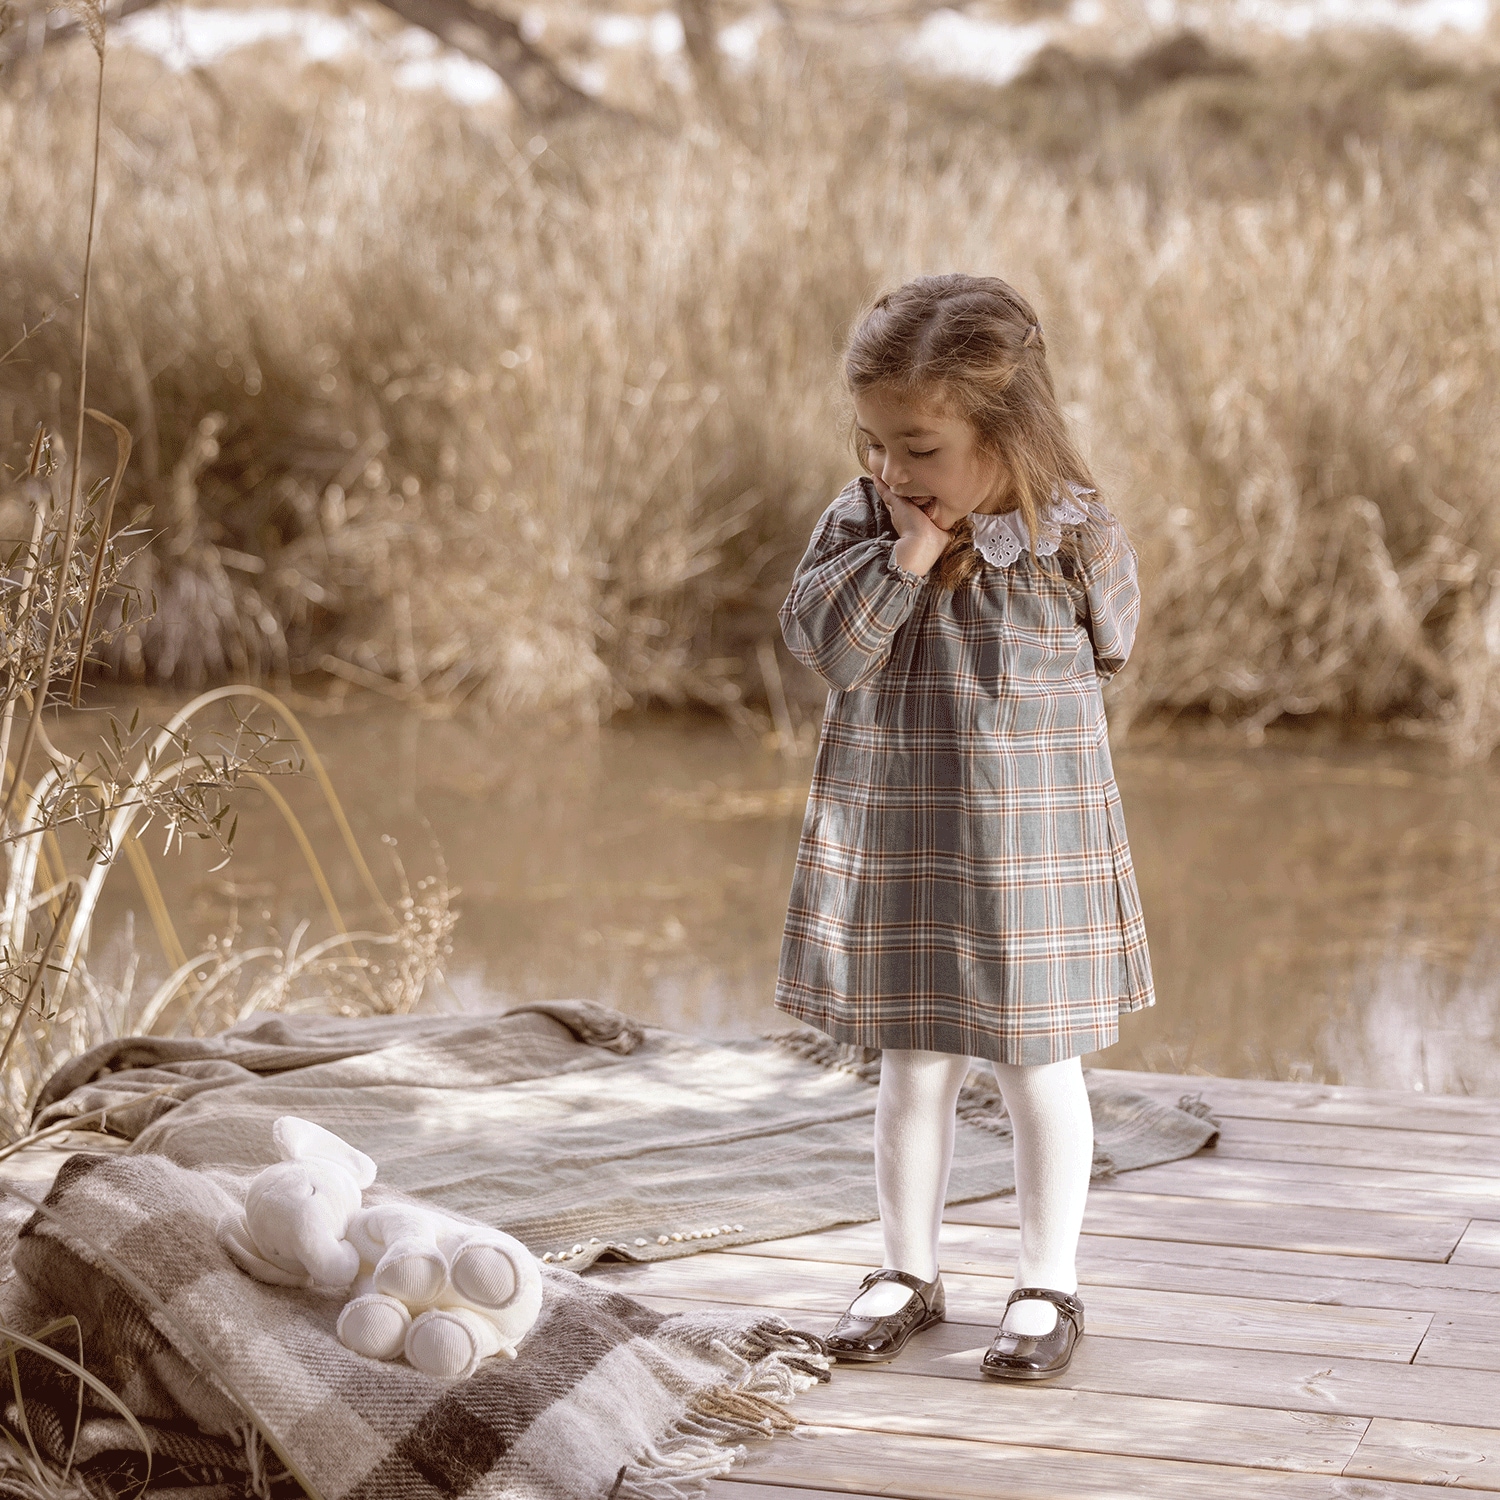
484,1275
375,1326
415,1274
449,1342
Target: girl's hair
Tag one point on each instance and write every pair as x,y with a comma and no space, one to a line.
972,345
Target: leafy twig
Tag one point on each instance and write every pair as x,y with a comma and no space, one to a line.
69,900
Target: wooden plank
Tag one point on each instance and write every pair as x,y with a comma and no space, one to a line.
1209,1221
1277,1275
738,1489
1392,1283
1429,1453
925,1468
1187,1372
1480,1245
1292,1275
1356,1146
1125,1312
1470,1340
1214,1176
1053,1417
1330,1103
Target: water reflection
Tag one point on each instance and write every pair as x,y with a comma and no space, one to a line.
1314,912
1319,915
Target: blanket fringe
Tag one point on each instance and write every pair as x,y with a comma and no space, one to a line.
1195,1104
772,1363
265,1475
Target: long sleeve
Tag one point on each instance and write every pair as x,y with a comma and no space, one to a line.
846,601
1106,593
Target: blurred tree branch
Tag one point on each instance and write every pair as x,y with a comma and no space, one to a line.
700,39
496,41
486,36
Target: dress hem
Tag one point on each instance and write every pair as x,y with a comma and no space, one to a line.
964,1042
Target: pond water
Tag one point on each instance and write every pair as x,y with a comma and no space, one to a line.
1316,909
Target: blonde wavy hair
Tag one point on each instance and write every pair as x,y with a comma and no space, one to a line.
972,346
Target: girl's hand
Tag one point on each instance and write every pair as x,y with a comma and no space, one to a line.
920,540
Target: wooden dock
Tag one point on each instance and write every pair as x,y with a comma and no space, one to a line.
1310,1310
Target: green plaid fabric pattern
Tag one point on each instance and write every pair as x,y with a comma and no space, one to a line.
963,882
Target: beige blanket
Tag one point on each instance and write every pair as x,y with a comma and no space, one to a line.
568,1126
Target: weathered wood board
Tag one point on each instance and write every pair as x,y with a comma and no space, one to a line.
739,1489
1434,1453
1330,1103
1287,1275
929,1468
1311,1311
1288,1381
1480,1245
1209,1175
1052,1416
1284,1226
1122,1312
1414,1151
1469,1340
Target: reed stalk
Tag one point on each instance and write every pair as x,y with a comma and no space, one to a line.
23,607
95,25
106,515
38,973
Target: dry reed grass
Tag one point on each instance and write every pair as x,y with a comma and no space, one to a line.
545,427
386,969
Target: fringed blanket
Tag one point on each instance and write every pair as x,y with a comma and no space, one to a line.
570,1127
245,1390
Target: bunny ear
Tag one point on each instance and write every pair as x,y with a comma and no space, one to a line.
299,1140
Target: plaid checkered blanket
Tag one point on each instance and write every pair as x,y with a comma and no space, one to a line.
244,1388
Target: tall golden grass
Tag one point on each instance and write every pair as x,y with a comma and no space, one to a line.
68,1007
544,424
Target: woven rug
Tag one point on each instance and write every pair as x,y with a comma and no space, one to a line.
243,1389
569,1126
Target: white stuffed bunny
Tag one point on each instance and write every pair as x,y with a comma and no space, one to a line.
445,1293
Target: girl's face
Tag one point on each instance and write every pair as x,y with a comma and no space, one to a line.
927,455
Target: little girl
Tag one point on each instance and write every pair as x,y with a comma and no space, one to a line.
963,885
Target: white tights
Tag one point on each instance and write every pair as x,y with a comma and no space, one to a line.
1049,1112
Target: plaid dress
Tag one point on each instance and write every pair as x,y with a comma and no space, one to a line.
963,882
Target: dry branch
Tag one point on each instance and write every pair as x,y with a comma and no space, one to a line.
486,36
700,40
496,41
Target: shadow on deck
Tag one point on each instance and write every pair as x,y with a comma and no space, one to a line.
1310,1310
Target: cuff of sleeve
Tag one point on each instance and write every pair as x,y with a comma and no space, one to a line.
911,580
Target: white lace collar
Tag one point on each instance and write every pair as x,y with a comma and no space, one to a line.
1001,539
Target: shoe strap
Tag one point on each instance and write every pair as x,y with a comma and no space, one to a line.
1064,1302
923,1289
